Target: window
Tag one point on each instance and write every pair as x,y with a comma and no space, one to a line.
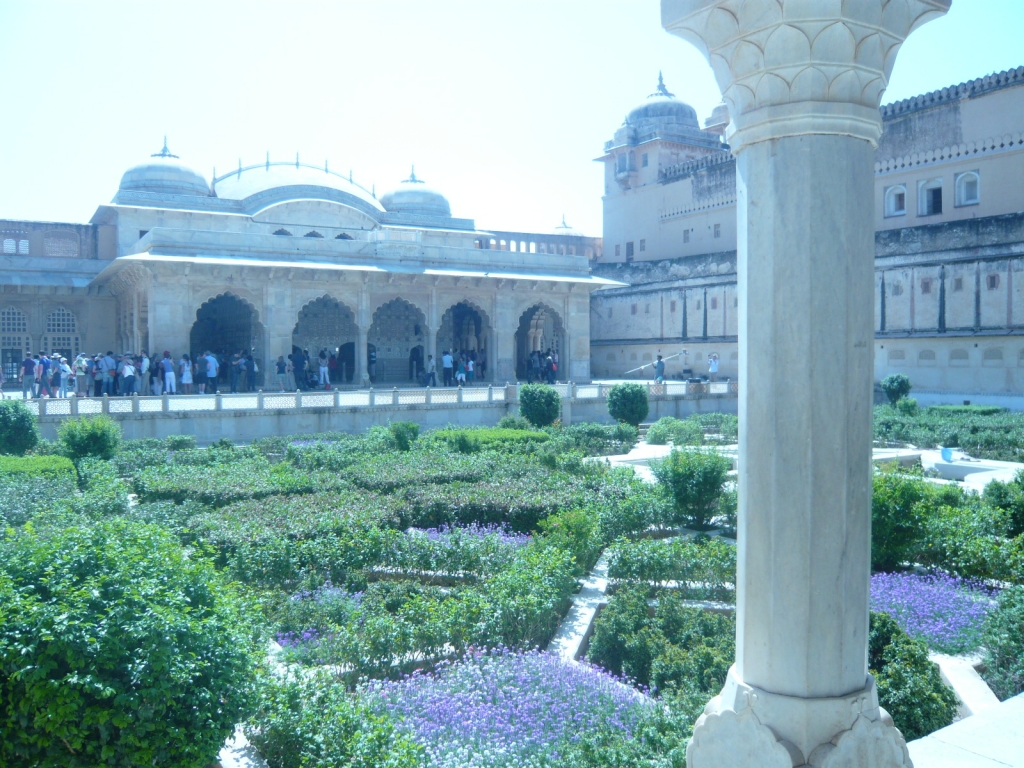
618,251
686,235
143,233
698,303
313,233
23,247
968,188
926,285
647,309
958,284
926,357
61,321
632,309
621,164
672,306
896,201
629,251
643,246
10,246
993,356
283,233
958,357
897,356
13,321
896,289
992,281
929,198
643,160
714,303
718,230
346,236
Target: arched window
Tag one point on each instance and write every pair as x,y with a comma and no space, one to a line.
533,247
61,321
10,245
896,200
283,233
313,233
959,358
926,357
897,357
494,243
343,236
512,246
992,357
968,188
929,198
61,333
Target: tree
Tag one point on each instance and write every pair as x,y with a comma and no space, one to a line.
896,387
18,430
695,481
89,436
628,403
540,404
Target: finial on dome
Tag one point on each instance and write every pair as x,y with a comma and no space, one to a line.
412,176
374,192
662,90
325,167
268,159
296,159
350,175
239,167
566,226
165,152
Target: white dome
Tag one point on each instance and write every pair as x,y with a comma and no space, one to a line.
164,173
414,196
662,106
565,229
239,185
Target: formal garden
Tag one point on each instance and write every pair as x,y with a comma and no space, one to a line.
386,599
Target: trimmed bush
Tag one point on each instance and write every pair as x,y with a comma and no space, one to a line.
703,568
18,430
1004,645
404,433
116,649
677,431
897,519
694,479
472,440
514,422
896,386
44,468
89,436
628,403
540,404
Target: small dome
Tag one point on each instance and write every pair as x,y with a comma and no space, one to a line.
164,173
414,196
565,229
664,106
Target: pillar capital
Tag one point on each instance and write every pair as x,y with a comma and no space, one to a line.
798,67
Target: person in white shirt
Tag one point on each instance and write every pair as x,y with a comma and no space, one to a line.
431,379
713,367
170,385
447,368
144,373
212,371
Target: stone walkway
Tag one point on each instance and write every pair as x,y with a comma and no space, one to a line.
991,739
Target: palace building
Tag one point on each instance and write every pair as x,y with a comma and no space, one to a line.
949,244
280,256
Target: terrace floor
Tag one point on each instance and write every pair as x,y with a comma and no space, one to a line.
993,738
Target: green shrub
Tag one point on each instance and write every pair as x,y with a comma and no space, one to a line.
642,506
966,410
967,540
907,406
981,431
539,404
471,440
896,386
404,433
694,479
89,436
704,568
1004,645
575,532
628,403
897,519
514,422
180,442
678,432
592,439
1008,497
46,469
18,430
117,649
909,685
312,720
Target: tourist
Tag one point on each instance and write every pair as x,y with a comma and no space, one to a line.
127,376
290,372
144,377
446,367
325,372
371,359
82,375
107,369
281,367
481,362
469,369
713,367
27,376
55,381
65,376
185,368
659,370
170,381
549,368
430,380
460,373
299,370
212,372
236,372
199,375
96,371
43,375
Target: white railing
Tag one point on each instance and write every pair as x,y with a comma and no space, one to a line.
360,398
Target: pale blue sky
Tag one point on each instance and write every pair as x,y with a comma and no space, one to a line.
501,105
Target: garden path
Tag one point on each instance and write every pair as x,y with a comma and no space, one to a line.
991,739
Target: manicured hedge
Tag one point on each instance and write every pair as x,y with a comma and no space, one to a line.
703,568
978,431
46,469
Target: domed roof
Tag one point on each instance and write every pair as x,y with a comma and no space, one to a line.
414,196
565,229
279,175
664,106
164,173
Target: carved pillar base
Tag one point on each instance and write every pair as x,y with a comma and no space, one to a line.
746,727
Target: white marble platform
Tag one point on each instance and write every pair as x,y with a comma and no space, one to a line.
993,738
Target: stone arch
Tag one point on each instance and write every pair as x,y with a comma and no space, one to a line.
396,342
465,327
325,323
226,324
540,328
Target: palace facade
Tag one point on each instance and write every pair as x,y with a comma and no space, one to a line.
281,256
949,246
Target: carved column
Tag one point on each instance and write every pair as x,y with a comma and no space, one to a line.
803,80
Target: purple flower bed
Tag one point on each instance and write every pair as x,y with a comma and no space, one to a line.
499,709
945,612
476,531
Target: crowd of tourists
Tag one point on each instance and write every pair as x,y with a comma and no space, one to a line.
127,374
542,366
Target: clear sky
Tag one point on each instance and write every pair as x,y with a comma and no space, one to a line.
501,105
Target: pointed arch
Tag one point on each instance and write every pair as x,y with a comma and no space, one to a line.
328,324
396,342
466,328
225,324
540,329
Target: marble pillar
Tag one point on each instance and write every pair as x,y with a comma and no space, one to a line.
803,80
361,376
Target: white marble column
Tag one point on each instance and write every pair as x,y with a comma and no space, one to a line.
803,80
361,370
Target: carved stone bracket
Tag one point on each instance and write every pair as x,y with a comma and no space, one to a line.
793,67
